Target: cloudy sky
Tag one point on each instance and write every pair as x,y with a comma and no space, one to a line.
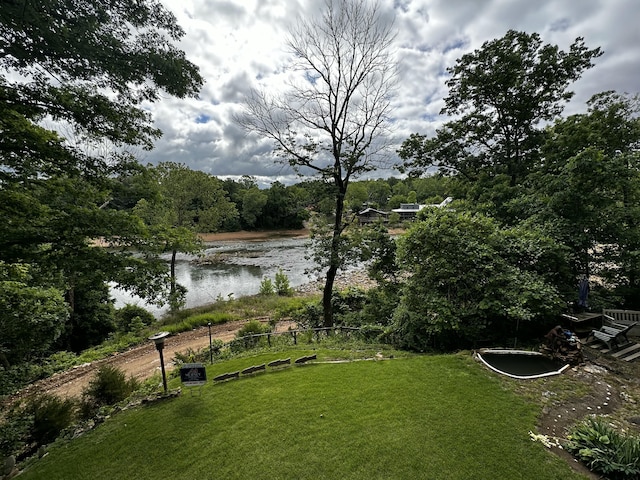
240,45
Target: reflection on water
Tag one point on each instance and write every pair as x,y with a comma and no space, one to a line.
246,264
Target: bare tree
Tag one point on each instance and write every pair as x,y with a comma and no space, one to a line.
332,120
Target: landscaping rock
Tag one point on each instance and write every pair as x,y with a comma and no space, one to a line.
9,464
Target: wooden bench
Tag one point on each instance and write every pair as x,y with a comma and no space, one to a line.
611,334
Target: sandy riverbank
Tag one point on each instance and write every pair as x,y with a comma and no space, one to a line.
253,235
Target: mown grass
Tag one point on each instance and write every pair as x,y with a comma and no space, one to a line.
417,417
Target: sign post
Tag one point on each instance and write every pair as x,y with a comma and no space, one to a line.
193,374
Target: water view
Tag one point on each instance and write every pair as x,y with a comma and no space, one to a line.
238,271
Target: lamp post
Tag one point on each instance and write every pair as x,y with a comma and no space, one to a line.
158,338
210,345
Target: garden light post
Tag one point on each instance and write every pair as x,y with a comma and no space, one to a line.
210,345
158,338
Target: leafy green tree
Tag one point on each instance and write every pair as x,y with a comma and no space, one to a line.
468,279
282,209
31,317
379,193
501,94
587,191
253,201
88,68
331,123
356,197
191,202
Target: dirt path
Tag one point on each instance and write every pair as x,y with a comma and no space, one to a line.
140,362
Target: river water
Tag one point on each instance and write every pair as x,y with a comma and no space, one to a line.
245,265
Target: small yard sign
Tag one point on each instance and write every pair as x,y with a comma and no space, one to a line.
193,374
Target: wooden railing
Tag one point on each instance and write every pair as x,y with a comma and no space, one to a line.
623,317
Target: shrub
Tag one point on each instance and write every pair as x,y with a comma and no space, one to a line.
254,327
309,316
282,284
243,336
14,431
604,450
126,317
51,415
266,287
110,386
199,320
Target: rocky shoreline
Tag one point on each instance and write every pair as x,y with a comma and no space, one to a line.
351,278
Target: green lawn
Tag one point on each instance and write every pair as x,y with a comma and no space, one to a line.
422,417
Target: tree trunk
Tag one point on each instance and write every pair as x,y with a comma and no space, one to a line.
334,259
172,291
327,305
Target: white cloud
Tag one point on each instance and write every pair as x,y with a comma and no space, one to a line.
240,44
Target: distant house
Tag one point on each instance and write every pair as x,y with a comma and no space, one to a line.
408,211
371,215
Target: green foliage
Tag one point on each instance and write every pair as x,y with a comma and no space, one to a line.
380,305
468,278
244,339
125,316
281,284
309,316
31,317
92,67
347,305
266,287
199,320
201,355
51,415
604,449
253,327
378,251
498,133
15,427
109,386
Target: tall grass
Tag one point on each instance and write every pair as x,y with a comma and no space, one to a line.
436,417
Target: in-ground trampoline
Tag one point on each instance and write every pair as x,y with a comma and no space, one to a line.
520,363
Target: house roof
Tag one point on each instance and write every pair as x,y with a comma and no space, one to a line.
372,210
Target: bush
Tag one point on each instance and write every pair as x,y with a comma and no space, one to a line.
254,327
282,284
201,355
266,287
604,450
14,431
243,336
51,415
110,386
309,316
199,320
131,316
